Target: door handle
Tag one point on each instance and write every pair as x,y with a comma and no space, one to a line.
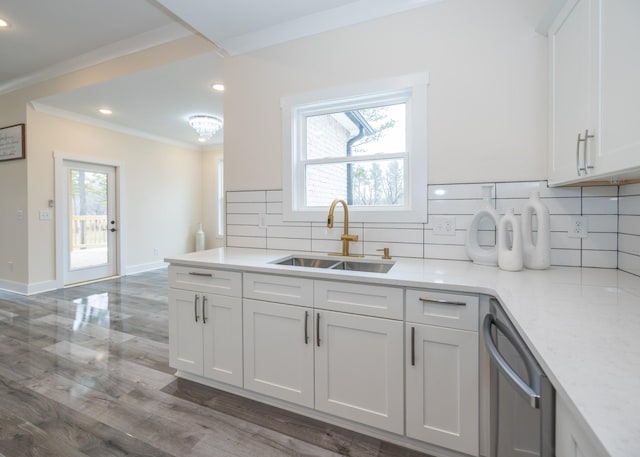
306,327
413,346
113,230
204,305
318,329
195,306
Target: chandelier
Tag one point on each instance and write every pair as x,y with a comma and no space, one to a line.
205,125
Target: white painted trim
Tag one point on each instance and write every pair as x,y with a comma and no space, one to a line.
312,24
14,287
134,269
39,287
88,120
59,158
146,40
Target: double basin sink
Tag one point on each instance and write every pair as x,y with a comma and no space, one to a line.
368,266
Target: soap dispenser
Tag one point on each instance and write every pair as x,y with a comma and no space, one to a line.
482,255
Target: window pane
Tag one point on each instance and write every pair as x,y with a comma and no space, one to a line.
368,183
363,131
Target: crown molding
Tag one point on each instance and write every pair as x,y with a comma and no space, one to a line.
146,40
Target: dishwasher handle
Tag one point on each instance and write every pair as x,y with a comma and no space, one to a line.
525,389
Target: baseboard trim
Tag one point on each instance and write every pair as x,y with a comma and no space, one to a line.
14,287
133,269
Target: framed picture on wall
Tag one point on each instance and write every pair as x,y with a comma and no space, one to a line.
12,142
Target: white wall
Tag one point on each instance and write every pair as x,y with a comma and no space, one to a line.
209,211
487,97
162,189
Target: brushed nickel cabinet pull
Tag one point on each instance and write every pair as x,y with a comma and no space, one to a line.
413,346
318,329
442,301
195,273
204,305
587,137
578,168
306,327
195,306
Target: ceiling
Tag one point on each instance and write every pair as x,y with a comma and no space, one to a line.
46,39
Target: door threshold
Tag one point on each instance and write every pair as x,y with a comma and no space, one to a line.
91,281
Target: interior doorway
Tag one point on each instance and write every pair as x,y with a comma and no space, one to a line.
87,222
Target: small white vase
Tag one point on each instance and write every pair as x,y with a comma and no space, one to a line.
509,251
537,254
477,253
199,239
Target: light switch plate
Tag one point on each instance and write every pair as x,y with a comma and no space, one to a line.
44,215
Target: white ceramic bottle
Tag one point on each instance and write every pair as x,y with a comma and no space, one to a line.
537,254
510,251
199,239
477,253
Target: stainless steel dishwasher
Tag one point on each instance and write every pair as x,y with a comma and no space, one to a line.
522,399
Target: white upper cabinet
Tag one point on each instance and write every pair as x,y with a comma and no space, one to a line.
594,48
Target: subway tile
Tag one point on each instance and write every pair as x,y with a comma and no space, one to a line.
246,230
554,205
599,259
458,191
246,242
600,205
274,196
600,191
445,252
601,242
246,208
289,232
629,225
602,223
524,189
274,207
629,263
395,249
321,232
327,246
276,219
289,244
485,238
389,235
629,205
629,189
393,226
561,240
629,244
243,219
565,257
469,207
252,196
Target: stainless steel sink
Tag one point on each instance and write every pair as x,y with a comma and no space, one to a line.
369,267
307,262
336,264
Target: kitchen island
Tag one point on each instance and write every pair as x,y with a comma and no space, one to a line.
583,326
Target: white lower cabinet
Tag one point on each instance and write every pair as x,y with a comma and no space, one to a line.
205,335
278,350
442,370
359,366
572,438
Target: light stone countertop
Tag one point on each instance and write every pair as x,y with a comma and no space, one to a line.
582,325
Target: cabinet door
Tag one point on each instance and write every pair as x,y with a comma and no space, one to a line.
573,438
222,334
619,139
278,350
359,369
442,387
572,88
185,330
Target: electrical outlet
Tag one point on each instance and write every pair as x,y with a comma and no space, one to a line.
444,226
578,227
44,215
20,215
262,221
10,265
156,251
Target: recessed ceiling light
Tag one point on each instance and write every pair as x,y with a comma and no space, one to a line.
105,111
218,86
3,23
202,140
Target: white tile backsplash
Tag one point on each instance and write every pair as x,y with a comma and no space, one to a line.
613,214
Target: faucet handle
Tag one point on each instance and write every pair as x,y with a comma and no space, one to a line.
349,237
385,253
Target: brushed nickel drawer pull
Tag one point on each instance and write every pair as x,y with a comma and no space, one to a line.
413,346
318,329
442,301
195,306
204,305
306,327
193,273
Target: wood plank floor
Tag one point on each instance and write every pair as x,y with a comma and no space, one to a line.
84,372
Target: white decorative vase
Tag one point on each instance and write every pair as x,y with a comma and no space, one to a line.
477,253
509,251
199,239
537,254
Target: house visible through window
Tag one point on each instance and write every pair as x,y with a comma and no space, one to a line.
365,144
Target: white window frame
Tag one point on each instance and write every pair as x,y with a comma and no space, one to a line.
411,89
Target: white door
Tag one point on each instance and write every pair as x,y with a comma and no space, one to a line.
442,387
222,333
278,350
90,227
359,369
185,330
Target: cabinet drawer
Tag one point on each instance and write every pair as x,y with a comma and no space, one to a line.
280,289
377,301
444,309
206,280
